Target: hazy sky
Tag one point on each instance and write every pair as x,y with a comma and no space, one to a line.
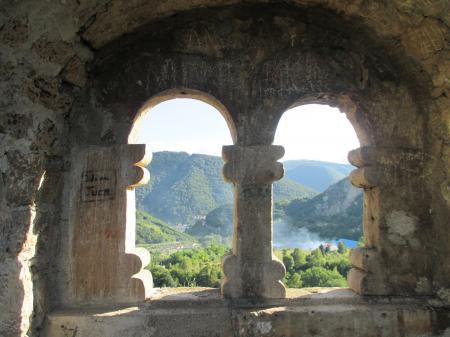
308,132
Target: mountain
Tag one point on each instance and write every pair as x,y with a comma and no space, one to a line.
317,175
151,230
184,187
219,221
288,189
335,213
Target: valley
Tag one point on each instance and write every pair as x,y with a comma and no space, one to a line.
184,219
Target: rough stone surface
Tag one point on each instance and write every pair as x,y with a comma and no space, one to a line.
330,312
79,73
252,270
104,265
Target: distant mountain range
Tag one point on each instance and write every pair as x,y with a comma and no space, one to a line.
186,187
335,213
316,175
219,222
189,189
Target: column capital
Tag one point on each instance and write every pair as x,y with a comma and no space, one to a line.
384,155
252,165
384,166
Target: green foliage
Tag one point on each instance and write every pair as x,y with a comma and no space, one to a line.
213,239
299,256
288,189
294,280
279,208
183,187
218,222
201,267
335,213
162,277
321,277
288,262
151,230
320,267
361,242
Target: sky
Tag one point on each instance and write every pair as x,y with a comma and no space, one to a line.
311,131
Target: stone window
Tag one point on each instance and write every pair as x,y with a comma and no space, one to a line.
251,85
75,74
189,189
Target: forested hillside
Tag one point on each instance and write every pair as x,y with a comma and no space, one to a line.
151,230
190,189
317,175
183,187
219,221
201,267
335,213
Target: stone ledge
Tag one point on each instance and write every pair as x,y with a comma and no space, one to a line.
200,312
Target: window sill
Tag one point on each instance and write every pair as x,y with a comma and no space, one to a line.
186,312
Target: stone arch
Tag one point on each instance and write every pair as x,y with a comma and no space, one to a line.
387,165
383,177
345,105
257,76
196,60
181,93
43,84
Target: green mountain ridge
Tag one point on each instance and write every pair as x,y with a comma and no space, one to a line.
335,213
219,221
151,230
316,175
184,187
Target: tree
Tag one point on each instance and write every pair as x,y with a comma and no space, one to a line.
288,262
162,277
295,281
299,257
361,242
341,247
322,249
315,258
321,277
208,277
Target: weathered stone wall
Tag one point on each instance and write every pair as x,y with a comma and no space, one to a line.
63,66
198,312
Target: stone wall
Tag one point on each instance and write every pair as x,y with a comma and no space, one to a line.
72,74
200,313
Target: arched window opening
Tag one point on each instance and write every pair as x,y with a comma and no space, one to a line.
320,218
183,213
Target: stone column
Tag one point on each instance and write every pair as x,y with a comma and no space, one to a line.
105,265
252,271
393,260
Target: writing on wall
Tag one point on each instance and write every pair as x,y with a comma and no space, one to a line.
98,185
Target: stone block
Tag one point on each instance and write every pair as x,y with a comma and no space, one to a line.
252,164
106,266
